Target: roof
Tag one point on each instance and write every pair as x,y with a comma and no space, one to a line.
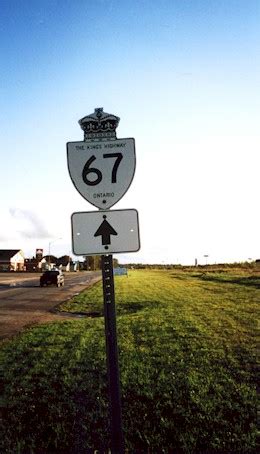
50,258
7,254
64,260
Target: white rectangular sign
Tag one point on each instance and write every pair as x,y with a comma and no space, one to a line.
105,232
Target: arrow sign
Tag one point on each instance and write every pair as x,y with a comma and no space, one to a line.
105,230
118,229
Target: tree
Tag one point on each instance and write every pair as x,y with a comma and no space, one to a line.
115,263
92,262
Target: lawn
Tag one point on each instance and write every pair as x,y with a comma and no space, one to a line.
187,352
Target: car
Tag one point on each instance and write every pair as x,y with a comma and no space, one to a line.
52,277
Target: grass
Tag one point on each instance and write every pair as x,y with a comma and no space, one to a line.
187,351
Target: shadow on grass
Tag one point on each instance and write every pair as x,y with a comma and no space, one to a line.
131,307
249,281
181,277
78,314
125,308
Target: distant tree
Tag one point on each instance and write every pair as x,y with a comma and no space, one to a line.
92,262
115,263
85,263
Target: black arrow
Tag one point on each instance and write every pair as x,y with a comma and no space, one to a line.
105,230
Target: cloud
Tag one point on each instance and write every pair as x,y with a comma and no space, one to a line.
31,225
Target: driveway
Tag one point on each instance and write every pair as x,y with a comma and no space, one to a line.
24,303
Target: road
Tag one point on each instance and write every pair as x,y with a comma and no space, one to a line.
24,303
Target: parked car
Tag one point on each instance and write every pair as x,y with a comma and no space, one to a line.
52,277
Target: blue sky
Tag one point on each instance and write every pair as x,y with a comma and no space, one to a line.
182,75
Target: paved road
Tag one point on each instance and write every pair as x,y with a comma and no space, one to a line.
24,303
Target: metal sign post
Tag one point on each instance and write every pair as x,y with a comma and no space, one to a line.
102,169
117,443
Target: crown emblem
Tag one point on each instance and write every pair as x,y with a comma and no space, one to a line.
99,125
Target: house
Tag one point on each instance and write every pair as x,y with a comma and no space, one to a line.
32,265
48,262
11,260
63,263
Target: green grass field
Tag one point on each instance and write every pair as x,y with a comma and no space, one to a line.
187,352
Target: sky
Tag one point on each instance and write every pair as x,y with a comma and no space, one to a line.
184,78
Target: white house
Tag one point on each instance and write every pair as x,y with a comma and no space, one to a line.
11,260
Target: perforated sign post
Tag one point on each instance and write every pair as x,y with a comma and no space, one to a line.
102,169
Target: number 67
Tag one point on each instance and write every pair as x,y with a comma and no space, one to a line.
87,169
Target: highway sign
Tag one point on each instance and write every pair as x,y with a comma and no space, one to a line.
105,232
102,171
